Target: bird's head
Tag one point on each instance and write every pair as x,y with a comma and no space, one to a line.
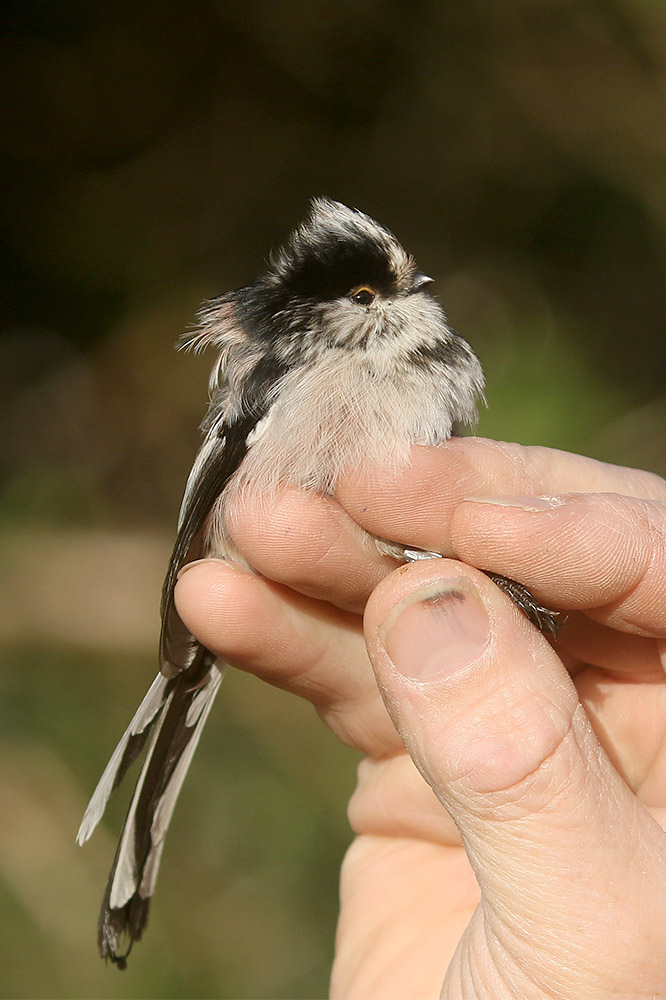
340,280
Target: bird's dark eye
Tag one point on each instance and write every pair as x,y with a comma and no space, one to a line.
363,296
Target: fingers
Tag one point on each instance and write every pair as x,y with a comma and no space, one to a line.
414,505
294,642
492,721
313,545
306,541
599,552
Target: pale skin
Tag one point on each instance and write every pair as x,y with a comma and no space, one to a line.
547,759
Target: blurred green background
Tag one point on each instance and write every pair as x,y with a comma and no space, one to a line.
152,154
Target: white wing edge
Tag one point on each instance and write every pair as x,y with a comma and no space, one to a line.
209,445
145,713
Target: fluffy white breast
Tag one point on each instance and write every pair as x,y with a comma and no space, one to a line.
349,408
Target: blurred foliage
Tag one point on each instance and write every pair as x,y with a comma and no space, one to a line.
151,154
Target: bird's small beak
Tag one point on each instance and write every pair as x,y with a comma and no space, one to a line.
419,280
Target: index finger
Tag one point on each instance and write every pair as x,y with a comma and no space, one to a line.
414,505
603,553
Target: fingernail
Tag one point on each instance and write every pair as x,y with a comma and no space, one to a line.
436,631
196,562
523,503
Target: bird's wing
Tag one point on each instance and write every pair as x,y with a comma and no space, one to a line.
219,457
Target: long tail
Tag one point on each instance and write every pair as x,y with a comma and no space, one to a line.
172,714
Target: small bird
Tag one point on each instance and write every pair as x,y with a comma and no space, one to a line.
337,355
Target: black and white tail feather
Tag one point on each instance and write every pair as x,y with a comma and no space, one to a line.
170,719
337,355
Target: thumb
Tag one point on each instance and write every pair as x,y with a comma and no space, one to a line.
492,720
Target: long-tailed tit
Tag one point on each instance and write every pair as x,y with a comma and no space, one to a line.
336,356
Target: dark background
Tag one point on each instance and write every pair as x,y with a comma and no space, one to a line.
151,156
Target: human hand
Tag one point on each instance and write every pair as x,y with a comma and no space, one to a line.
561,891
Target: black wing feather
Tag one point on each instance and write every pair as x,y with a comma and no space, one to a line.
227,446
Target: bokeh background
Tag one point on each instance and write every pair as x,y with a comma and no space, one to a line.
151,155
